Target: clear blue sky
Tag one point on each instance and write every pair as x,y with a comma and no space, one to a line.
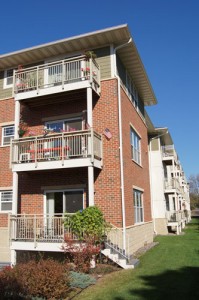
166,33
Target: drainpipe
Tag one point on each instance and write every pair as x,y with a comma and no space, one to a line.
120,147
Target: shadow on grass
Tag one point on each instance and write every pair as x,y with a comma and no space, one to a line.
180,284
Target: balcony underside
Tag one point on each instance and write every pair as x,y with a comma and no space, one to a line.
56,164
59,97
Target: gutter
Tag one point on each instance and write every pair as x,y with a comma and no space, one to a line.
120,147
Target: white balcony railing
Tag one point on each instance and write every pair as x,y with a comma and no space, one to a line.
168,151
57,147
40,228
54,74
172,183
173,216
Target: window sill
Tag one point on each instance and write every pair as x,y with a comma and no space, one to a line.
4,146
139,165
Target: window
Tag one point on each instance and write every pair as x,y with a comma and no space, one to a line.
7,134
138,206
8,78
131,90
135,147
6,200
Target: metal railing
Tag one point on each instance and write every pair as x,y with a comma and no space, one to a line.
40,228
172,183
115,241
173,216
169,150
57,146
56,73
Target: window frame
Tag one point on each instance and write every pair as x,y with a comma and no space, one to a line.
9,210
4,136
7,85
138,206
135,141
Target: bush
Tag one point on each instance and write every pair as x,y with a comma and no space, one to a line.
46,279
81,280
88,223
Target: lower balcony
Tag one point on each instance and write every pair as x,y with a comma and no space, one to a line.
56,151
39,232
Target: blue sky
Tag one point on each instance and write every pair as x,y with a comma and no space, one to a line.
166,33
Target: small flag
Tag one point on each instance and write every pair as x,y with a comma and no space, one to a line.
107,133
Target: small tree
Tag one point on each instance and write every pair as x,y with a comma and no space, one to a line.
89,227
194,191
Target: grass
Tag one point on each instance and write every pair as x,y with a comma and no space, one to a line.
170,270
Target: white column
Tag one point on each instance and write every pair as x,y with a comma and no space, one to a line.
90,168
15,193
89,107
91,185
17,118
13,257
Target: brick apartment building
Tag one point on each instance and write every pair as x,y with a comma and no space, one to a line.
82,140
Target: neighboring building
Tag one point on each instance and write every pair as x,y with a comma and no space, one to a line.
169,187
83,141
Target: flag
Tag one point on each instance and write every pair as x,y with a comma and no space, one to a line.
107,133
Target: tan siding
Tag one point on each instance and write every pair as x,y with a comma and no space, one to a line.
4,93
104,61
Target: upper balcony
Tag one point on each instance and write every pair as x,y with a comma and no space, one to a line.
56,77
57,151
169,153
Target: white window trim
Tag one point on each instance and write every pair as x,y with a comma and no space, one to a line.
57,191
134,207
3,136
5,85
5,211
139,163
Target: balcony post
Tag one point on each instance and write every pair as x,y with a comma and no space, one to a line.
89,107
17,118
15,193
91,185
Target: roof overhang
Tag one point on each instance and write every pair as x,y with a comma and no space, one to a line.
115,36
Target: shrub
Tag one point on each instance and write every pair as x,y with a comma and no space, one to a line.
46,278
88,223
81,280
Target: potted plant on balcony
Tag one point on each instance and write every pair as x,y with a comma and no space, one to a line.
90,54
23,127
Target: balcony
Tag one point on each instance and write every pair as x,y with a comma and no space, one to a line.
56,77
57,151
172,184
168,152
39,232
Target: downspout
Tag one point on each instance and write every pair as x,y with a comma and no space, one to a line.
120,141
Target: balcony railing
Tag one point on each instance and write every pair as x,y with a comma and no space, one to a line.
173,216
172,183
40,78
168,151
57,147
40,228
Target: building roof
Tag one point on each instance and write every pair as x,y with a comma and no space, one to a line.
116,36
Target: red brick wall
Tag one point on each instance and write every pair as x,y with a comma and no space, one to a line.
134,174
107,183
6,115
3,220
31,196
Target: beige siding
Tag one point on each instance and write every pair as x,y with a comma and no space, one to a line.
161,226
139,236
155,145
4,93
104,61
4,245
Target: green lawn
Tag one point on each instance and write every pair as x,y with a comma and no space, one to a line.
170,270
